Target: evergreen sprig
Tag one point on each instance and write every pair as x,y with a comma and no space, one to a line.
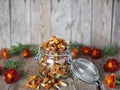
18,48
13,64
75,45
33,52
109,50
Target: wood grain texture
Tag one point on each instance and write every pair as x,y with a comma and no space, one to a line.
116,24
61,18
40,21
81,21
20,21
101,22
4,24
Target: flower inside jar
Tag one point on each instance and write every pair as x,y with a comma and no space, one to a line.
54,56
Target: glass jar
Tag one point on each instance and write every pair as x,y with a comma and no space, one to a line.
54,64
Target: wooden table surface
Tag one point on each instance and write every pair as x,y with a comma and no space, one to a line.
31,68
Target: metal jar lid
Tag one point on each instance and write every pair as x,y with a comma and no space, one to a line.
84,70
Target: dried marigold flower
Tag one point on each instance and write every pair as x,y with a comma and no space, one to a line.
111,65
110,80
96,53
74,53
11,76
5,54
85,50
26,53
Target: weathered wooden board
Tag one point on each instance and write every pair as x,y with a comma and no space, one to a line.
101,22
84,21
81,21
20,21
116,24
4,24
61,18
40,21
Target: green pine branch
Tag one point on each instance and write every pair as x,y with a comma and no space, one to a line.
33,52
13,64
109,51
75,45
18,49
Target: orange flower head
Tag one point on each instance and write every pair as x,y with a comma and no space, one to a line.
96,53
85,50
5,54
26,53
11,76
110,80
111,65
74,53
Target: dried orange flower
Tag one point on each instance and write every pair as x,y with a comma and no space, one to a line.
85,50
11,76
5,54
111,65
110,80
74,53
26,53
96,53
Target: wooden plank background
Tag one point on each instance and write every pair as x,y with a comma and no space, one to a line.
81,21
61,18
20,21
91,22
116,24
40,21
101,22
4,24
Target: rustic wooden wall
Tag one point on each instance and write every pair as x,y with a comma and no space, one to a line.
92,22
4,24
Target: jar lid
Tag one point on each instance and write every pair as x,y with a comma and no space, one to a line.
84,70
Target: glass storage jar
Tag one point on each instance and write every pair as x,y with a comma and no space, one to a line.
54,64
61,65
